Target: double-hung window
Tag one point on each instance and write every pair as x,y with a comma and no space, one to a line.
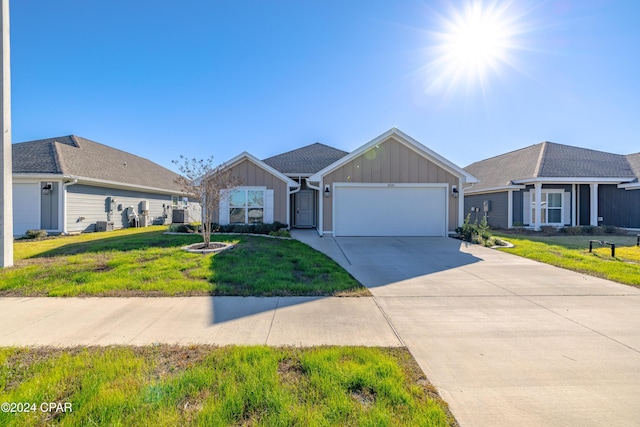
246,206
551,208
178,202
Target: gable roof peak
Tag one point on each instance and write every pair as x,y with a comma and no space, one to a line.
401,138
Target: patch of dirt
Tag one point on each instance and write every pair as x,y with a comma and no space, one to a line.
175,358
365,396
290,371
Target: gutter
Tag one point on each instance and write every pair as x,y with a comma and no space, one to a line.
320,206
103,182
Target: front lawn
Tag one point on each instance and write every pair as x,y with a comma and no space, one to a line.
208,386
146,262
572,252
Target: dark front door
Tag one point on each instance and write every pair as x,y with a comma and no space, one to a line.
304,209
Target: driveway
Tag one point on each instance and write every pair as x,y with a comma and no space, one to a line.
507,341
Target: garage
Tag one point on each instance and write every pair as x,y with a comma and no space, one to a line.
390,209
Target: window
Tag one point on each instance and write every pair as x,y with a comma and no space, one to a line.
550,207
179,203
246,206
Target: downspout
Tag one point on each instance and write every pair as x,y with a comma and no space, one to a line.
64,203
464,186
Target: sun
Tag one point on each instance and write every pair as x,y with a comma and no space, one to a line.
473,43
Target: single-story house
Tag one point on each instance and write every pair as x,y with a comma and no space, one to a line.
391,186
71,184
551,184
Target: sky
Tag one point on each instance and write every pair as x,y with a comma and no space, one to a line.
200,78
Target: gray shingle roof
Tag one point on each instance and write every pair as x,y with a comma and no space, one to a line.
550,160
499,171
634,162
82,158
564,160
309,159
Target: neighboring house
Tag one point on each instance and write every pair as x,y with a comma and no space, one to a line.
390,186
557,185
68,184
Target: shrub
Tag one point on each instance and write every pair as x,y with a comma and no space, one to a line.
467,231
283,232
35,234
476,233
588,229
183,228
571,231
549,230
259,228
610,229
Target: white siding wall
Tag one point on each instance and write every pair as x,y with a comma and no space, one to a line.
26,207
89,202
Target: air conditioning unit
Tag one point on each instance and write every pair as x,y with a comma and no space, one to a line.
179,216
104,225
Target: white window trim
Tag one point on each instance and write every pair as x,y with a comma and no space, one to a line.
545,192
246,206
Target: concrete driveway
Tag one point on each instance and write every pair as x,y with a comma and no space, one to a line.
507,341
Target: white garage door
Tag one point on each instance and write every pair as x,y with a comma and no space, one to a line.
26,207
398,210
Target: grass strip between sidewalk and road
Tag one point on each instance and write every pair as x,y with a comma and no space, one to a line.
572,253
147,262
217,386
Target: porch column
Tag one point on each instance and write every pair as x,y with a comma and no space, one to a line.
510,209
538,211
593,211
574,205
460,203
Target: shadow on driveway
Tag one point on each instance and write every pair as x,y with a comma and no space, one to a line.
381,261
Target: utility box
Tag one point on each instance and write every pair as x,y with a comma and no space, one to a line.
178,216
104,225
486,206
144,206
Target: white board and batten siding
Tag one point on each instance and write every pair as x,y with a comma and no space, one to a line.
87,204
390,209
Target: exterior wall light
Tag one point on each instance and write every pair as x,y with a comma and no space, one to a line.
454,191
327,191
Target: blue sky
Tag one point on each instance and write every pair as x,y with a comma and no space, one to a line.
202,77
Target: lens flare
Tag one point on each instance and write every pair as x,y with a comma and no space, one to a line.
473,43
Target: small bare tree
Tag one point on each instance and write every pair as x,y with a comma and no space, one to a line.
204,183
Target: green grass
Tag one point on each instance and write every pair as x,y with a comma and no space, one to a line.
206,386
146,262
572,252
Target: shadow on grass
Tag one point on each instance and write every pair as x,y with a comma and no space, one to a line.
123,243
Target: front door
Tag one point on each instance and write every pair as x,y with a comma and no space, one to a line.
304,209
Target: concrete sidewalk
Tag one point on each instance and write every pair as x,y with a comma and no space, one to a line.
299,321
